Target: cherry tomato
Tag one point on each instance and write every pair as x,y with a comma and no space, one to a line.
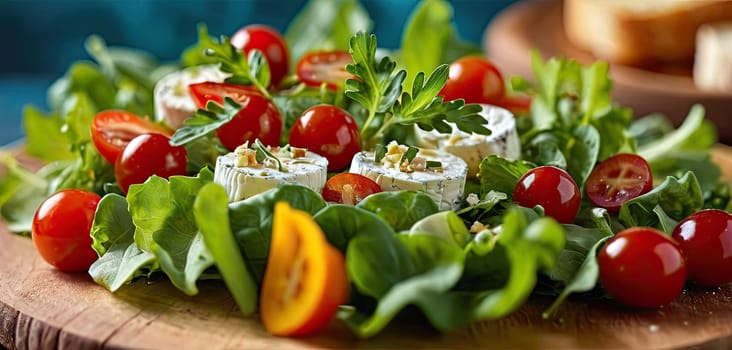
61,227
147,155
305,280
705,238
111,130
476,80
552,188
349,188
618,179
316,68
642,267
329,131
272,45
258,118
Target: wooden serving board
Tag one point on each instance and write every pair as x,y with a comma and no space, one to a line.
42,308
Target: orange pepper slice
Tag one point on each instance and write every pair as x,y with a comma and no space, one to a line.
305,280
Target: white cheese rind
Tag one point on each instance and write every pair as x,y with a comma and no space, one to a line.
444,186
173,103
243,182
472,148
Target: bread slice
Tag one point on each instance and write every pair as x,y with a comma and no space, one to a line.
641,32
713,60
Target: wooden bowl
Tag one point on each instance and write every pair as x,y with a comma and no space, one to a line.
538,24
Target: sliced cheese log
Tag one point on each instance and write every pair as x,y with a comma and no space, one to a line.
445,185
472,148
173,103
243,182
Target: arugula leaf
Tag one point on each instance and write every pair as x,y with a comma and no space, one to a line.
44,139
211,213
205,121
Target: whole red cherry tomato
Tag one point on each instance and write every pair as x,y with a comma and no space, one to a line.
272,45
476,80
552,188
329,131
618,179
111,130
258,118
147,155
329,67
349,188
642,267
61,227
705,238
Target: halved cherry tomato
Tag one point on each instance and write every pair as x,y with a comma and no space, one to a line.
213,91
329,67
349,188
329,131
305,280
706,240
112,130
258,118
476,80
61,228
552,188
148,155
618,179
642,267
272,45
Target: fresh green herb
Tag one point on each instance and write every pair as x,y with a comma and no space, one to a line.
379,152
204,121
409,155
433,164
262,153
251,70
378,88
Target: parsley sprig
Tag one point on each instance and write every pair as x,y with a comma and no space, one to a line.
378,88
204,121
250,70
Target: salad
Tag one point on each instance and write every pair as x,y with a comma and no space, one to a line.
295,169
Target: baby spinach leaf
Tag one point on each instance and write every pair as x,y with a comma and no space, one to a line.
341,223
211,212
431,267
401,209
120,260
446,225
251,221
500,174
676,198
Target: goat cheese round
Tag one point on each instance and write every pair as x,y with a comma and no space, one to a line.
242,182
445,185
503,140
173,103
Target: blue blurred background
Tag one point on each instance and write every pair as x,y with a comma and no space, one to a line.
41,38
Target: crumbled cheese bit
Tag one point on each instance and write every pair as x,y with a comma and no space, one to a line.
478,227
245,156
473,199
393,159
297,152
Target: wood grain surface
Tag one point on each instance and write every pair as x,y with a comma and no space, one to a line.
42,308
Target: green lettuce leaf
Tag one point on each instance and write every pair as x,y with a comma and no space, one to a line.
162,211
401,209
